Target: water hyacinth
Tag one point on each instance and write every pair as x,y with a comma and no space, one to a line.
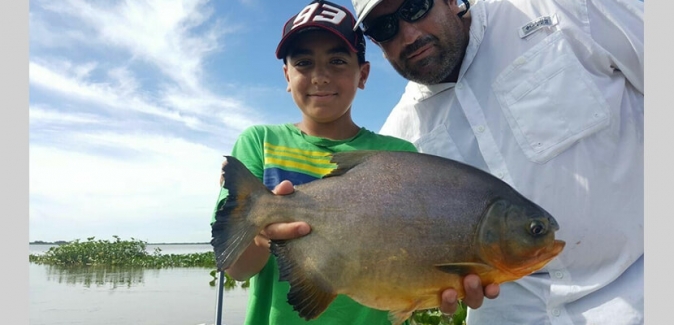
127,253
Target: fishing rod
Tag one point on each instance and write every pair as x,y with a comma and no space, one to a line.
218,300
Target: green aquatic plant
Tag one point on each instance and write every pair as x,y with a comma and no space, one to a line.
95,252
435,317
127,253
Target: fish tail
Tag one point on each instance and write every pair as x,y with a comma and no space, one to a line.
233,229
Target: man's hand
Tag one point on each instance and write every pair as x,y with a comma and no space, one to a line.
475,294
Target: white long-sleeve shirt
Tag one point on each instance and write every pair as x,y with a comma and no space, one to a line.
550,98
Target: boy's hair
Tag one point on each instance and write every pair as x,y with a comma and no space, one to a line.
328,16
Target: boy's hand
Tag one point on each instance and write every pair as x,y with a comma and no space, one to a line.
282,230
284,188
475,294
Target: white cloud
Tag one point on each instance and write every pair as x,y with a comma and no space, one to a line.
159,32
45,35
201,111
157,162
166,180
39,114
68,84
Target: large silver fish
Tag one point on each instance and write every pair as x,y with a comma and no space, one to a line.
391,230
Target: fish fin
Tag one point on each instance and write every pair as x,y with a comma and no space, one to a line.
308,297
398,317
233,230
464,269
347,160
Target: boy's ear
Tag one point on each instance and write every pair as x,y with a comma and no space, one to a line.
285,74
364,73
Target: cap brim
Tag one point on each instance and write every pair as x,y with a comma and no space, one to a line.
281,48
366,11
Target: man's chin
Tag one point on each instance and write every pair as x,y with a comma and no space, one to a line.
425,76
425,72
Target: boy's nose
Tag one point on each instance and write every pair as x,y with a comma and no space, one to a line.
320,76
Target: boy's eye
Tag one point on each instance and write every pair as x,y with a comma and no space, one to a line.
338,61
302,63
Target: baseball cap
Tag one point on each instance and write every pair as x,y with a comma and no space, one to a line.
327,16
363,8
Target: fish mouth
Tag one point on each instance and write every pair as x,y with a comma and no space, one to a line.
543,256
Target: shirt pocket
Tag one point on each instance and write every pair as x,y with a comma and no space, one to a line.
549,99
438,142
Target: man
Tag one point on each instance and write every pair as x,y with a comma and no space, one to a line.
547,95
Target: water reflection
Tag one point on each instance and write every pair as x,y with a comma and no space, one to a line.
121,295
94,295
112,276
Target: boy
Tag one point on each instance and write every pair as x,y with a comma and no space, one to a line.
324,65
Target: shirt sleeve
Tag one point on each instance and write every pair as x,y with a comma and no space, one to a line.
249,149
618,26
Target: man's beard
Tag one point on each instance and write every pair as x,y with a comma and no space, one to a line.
433,69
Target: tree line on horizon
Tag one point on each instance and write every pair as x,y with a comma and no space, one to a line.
62,242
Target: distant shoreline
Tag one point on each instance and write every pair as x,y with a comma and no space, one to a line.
64,242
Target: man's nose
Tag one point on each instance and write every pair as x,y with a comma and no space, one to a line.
408,32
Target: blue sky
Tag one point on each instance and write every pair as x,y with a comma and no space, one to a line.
134,103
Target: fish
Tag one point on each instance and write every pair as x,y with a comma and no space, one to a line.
390,229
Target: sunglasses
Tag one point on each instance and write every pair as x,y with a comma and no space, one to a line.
385,27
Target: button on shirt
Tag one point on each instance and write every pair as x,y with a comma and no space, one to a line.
550,99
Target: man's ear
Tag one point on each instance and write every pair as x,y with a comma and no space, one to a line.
364,73
285,74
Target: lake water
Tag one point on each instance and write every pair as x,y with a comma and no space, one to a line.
105,296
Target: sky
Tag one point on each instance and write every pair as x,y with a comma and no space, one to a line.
132,105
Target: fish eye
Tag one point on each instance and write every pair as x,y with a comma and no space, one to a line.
537,228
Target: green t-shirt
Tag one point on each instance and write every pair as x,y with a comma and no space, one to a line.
282,152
